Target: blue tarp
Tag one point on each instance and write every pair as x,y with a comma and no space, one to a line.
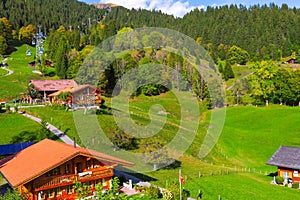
9,149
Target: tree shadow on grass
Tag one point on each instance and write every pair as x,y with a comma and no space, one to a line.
174,165
34,136
142,177
13,45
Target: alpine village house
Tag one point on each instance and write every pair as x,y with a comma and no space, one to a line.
49,170
287,161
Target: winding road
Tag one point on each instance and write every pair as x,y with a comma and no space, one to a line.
10,72
229,88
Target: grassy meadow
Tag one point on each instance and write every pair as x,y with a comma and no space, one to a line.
11,86
247,186
235,168
2,72
13,124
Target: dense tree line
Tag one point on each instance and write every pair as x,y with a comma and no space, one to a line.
261,31
6,35
268,83
49,14
275,84
266,31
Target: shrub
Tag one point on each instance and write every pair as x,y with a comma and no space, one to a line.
174,189
49,72
16,108
56,106
279,180
8,108
295,185
167,195
153,192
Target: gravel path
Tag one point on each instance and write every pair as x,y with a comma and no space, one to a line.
52,128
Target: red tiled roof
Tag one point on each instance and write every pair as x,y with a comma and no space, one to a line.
41,157
52,85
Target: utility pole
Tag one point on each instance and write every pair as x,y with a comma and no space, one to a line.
39,46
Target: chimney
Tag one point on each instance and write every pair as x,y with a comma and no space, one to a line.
74,142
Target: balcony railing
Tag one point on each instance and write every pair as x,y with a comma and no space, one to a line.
64,180
95,174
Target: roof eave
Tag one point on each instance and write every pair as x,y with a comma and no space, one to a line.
125,163
46,170
7,180
283,166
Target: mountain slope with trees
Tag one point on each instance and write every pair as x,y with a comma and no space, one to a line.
49,14
262,33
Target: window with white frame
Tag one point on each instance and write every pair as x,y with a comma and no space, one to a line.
296,173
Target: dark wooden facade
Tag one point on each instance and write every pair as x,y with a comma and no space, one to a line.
57,184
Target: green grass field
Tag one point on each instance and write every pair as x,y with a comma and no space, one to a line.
2,72
252,134
234,169
11,86
13,124
247,186
249,138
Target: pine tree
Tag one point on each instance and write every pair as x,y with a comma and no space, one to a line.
61,59
228,72
3,45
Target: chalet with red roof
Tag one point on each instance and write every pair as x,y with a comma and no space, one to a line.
46,87
49,169
51,89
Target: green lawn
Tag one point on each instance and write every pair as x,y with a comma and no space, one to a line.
239,186
13,124
2,72
62,119
11,86
252,134
249,138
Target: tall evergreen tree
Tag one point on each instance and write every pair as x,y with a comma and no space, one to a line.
228,72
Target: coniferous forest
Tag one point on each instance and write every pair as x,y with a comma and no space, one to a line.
232,34
261,30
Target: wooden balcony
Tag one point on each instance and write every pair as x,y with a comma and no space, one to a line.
65,180
95,174
53,182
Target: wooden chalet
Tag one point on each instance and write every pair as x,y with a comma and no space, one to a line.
80,95
287,159
49,169
290,61
46,87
